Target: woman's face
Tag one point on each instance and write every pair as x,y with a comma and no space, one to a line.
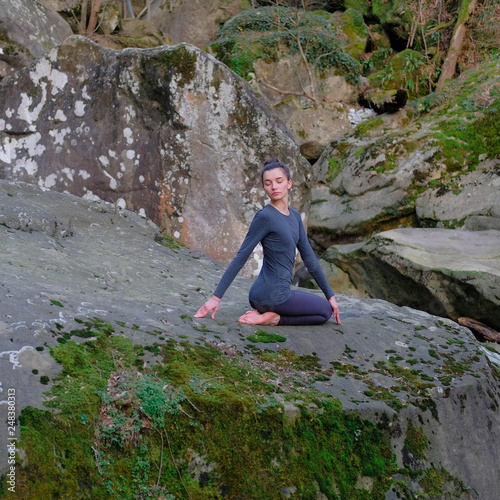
276,185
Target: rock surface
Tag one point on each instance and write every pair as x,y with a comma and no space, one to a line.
29,30
445,272
64,258
168,132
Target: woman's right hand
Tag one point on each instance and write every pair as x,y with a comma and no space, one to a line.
211,304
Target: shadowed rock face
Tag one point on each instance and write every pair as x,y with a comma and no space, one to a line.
65,259
445,272
169,132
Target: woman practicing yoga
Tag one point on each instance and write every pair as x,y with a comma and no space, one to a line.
280,230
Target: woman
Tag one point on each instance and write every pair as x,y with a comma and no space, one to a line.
280,230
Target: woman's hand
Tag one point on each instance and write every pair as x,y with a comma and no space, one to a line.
335,308
211,304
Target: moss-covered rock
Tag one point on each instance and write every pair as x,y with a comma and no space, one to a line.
356,31
433,164
140,430
269,33
405,70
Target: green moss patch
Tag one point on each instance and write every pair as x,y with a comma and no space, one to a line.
207,422
265,337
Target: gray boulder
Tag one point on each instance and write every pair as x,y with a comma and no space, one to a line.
425,380
476,207
28,30
445,272
168,132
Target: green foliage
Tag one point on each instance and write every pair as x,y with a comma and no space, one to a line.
268,32
406,70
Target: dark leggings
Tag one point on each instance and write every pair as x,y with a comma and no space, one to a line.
302,308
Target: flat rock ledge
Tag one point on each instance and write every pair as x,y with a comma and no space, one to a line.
446,272
65,259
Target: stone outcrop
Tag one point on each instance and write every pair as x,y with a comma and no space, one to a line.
260,45
432,168
65,259
168,132
28,30
446,272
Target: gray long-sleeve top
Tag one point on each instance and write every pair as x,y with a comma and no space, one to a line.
280,235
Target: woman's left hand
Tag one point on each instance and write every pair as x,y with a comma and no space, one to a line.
335,308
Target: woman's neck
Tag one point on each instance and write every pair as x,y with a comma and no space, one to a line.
281,206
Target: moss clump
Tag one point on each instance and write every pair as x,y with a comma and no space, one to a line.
416,441
364,128
355,29
439,483
265,337
168,241
182,61
121,432
336,160
175,64
9,47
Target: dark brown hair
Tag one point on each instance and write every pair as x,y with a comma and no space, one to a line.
271,164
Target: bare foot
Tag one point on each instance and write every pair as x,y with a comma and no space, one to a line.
255,318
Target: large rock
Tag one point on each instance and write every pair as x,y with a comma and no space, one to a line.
168,132
314,126
28,30
438,168
475,203
445,272
194,21
64,260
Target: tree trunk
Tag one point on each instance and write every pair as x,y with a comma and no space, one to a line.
94,10
481,331
83,17
450,63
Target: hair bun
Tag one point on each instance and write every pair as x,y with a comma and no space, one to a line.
271,160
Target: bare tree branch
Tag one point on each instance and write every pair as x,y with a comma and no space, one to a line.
287,92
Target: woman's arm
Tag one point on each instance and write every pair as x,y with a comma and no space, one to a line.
311,261
313,266
257,230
